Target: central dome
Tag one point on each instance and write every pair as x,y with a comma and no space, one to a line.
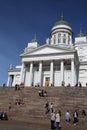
61,33
61,22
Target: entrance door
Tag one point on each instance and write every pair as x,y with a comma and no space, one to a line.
47,81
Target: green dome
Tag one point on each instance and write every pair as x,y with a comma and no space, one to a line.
61,22
34,39
81,34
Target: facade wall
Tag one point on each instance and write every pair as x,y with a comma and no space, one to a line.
52,72
81,47
83,74
16,80
13,78
46,74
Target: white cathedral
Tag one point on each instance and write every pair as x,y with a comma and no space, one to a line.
58,61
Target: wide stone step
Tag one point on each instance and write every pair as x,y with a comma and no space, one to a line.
34,106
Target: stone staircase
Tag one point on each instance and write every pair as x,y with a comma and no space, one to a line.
33,109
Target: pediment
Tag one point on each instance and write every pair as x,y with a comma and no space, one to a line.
47,49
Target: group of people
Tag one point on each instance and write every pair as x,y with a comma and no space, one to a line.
55,120
75,117
17,86
3,116
42,93
78,84
19,102
49,107
56,116
68,85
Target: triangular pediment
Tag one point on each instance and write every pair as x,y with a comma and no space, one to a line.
47,49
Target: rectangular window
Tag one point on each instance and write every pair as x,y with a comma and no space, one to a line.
47,79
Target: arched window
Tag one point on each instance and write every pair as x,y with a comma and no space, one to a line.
59,38
64,38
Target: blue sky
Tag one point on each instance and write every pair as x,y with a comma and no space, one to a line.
20,20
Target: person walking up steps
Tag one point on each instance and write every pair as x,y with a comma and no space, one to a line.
75,116
67,116
58,116
52,120
47,107
51,107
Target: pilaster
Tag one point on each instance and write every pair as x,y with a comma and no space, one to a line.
52,73
31,74
62,71
40,73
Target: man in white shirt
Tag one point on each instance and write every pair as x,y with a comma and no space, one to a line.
67,116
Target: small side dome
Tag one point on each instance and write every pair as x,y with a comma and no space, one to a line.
81,34
34,39
32,45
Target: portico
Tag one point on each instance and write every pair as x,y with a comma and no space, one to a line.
45,72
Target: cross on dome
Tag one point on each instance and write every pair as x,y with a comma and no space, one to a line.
62,17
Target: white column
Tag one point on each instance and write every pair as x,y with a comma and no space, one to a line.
62,71
8,81
70,40
40,74
22,73
72,72
31,74
51,73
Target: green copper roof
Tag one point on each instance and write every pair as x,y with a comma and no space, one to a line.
81,34
61,22
34,39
